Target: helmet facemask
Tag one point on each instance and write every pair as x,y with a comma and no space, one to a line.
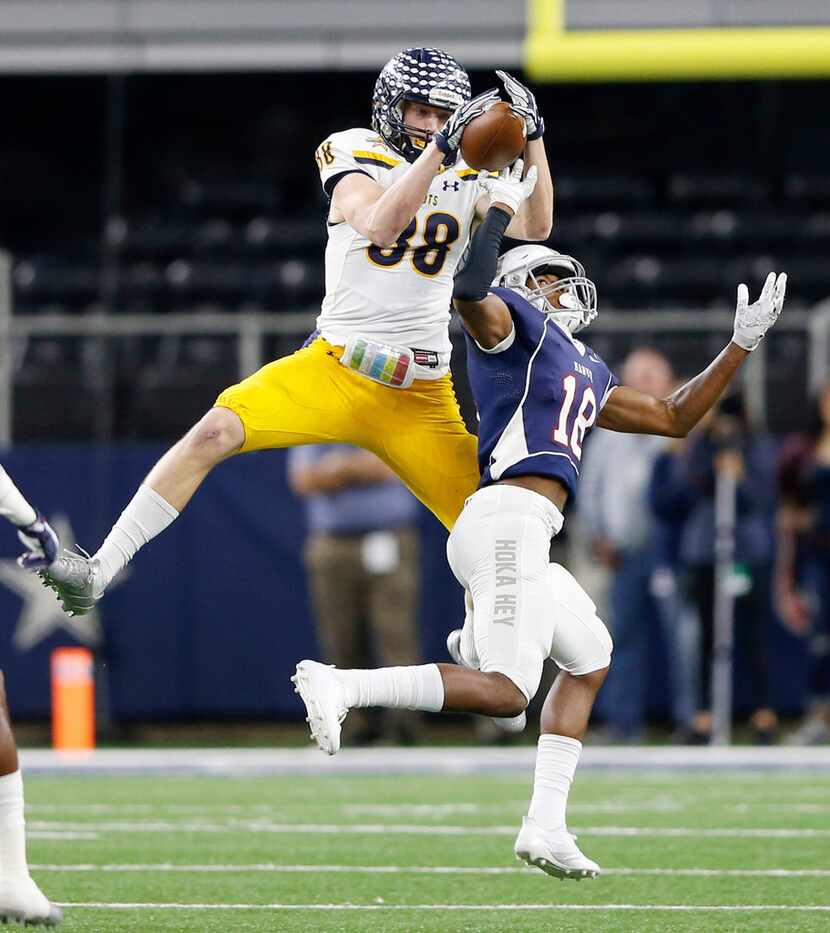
574,293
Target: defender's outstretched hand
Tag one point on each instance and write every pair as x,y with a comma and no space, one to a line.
510,188
448,139
524,104
41,545
752,321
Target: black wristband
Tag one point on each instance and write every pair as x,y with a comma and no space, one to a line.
478,265
538,132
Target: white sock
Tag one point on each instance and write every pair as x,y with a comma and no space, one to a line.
13,505
556,760
13,864
416,687
147,514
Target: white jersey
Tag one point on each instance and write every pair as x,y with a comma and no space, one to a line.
400,295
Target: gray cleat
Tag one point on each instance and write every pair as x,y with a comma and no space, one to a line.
52,919
22,902
76,578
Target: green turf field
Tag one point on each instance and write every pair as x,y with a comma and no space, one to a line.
407,853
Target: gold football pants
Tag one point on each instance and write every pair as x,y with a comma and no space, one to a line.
310,398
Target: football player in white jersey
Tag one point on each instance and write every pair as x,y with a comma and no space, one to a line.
21,901
376,372
539,392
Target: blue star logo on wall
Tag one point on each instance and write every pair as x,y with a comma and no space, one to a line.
41,614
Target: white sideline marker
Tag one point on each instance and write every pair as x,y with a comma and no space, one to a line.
264,826
729,908
268,867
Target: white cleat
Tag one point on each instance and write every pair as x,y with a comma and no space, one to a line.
76,578
23,902
325,702
505,723
556,853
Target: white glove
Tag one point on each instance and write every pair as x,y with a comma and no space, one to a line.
510,188
752,321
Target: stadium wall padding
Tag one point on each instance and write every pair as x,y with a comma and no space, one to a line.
213,615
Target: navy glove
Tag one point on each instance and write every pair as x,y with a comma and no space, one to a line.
41,545
523,103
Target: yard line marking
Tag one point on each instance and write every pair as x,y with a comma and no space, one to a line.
154,807
59,834
660,805
103,905
270,867
519,806
231,826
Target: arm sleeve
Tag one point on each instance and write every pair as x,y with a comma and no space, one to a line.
478,266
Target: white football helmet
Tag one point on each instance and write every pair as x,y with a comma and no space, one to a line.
577,294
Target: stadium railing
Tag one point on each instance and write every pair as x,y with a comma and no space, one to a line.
250,330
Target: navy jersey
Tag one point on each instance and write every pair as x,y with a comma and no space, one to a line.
538,394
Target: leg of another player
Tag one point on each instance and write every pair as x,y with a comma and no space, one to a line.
20,898
329,693
444,688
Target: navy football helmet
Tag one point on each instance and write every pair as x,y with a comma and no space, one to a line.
425,76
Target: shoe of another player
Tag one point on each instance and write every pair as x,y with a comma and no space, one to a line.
325,702
505,723
76,578
23,902
554,852
814,731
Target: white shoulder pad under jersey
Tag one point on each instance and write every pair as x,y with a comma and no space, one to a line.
358,150
399,294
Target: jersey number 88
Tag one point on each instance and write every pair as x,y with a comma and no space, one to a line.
440,232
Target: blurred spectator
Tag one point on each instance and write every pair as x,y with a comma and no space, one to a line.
728,443
363,569
671,502
613,509
803,569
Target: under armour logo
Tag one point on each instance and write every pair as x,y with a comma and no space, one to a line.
455,185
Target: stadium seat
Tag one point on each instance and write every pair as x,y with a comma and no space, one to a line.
717,190
48,370
808,188
74,284
747,229
193,370
152,238
603,191
228,197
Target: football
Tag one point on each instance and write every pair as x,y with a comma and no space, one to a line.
493,140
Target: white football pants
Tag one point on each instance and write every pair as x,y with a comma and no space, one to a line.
521,609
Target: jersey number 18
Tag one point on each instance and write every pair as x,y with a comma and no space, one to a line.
586,415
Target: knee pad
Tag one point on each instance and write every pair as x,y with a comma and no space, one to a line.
581,642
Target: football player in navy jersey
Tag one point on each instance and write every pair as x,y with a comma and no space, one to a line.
539,391
21,900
